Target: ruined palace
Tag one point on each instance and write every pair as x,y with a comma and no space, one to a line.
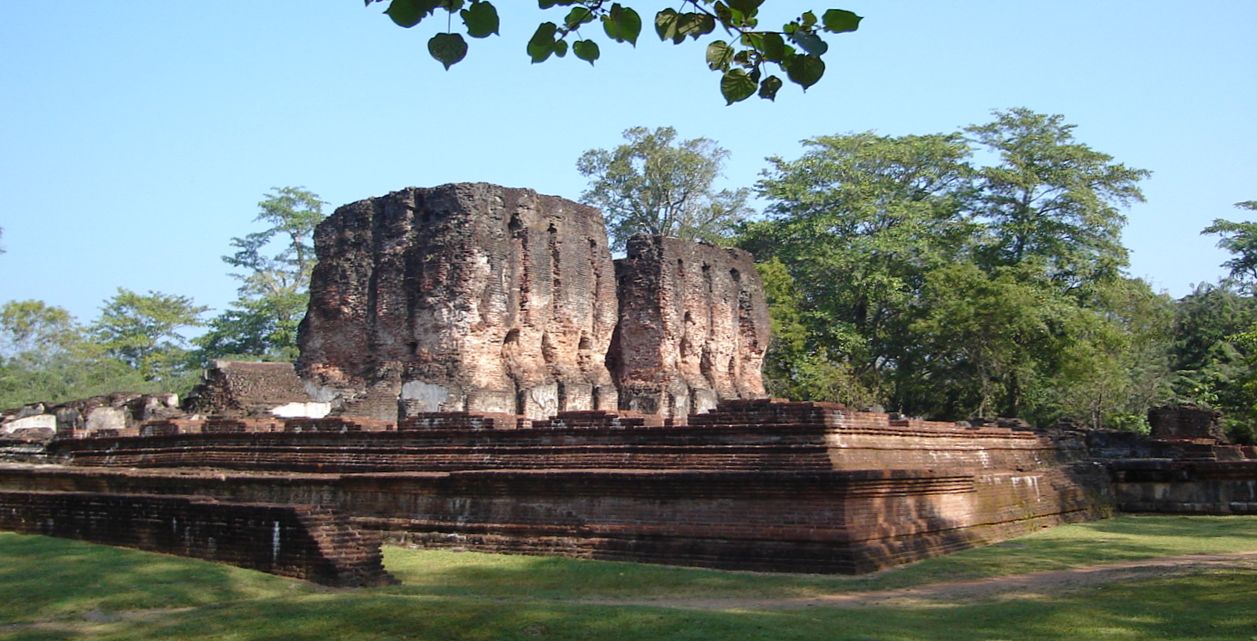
478,372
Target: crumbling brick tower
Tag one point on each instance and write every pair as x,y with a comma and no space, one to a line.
693,327
461,297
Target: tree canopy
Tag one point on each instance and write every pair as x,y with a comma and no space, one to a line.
142,331
941,287
1240,239
746,61
274,267
655,184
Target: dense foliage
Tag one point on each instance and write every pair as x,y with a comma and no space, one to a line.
905,274
657,185
745,62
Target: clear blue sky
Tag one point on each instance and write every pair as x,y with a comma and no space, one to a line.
137,137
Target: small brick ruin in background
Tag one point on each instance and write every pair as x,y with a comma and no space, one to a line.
246,389
1170,422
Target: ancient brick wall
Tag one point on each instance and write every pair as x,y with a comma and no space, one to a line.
833,521
1186,486
290,540
693,327
461,297
1185,422
1186,473
741,435
757,484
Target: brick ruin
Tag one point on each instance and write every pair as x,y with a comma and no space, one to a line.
466,297
477,372
485,299
693,327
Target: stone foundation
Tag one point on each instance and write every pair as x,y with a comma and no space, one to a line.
1181,475
291,540
764,485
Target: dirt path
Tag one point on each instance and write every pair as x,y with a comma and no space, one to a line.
997,588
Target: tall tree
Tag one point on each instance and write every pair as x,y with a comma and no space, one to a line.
142,330
33,327
1053,197
655,184
1239,238
949,290
274,267
858,221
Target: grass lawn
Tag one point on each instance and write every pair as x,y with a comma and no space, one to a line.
56,589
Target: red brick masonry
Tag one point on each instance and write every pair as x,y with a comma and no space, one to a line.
762,485
291,540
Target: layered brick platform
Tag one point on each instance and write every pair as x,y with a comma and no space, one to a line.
743,435
763,485
1178,475
300,541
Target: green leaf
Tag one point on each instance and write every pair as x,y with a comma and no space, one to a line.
810,42
746,7
586,50
408,13
804,70
666,24
768,88
693,25
719,55
773,46
840,21
481,19
736,85
542,44
577,17
808,19
448,48
560,48
622,24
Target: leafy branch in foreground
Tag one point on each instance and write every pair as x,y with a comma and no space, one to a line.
745,61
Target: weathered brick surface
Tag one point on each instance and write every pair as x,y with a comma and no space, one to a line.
241,389
1183,474
831,521
1187,422
461,297
291,540
693,327
757,484
742,435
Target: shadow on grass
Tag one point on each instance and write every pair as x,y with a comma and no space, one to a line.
448,595
1210,607
1114,540
43,577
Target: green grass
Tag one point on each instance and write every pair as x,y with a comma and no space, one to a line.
1125,538
467,596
